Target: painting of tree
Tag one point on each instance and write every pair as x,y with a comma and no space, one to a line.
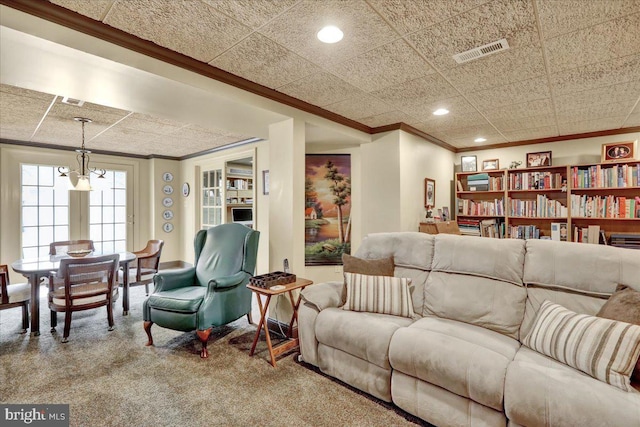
327,208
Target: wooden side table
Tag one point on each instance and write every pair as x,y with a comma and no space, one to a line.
269,292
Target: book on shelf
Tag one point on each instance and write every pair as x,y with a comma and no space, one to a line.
593,234
524,232
597,176
610,206
459,185
559,231
539,180
478,177
631,241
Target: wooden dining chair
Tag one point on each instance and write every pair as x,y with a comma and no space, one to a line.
83,284
17,295
146,265
62,247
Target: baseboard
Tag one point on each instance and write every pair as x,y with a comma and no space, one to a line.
276,326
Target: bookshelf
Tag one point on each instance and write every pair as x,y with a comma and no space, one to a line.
539,202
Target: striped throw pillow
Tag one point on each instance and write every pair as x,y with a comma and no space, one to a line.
604,349
378,294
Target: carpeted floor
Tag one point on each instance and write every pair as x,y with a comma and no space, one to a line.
113,379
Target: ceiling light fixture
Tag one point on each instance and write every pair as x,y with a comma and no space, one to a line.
441,112
481,139
84,170
330,34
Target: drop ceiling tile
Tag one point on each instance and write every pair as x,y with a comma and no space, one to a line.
497,70
561,17
513,20
150,124
453,121
24,93
472,132
264,61
591,125
385,66
94,9
360,106
596,112
389,118
197,133
320,89
528,134
603,42
469,142
20,115
296,29
410,16
524,123
519,111
422,90
253,13
632,120
199,32
459,108
592,76
602,95
517,92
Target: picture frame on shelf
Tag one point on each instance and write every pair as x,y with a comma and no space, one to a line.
538,159
469,163
445,214
618,151
429,192
490,165
265,182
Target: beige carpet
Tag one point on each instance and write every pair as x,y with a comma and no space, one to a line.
113,379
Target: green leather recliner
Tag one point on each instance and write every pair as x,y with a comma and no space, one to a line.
213,292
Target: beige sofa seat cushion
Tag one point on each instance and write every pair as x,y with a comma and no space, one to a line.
542,391
363,335
467,360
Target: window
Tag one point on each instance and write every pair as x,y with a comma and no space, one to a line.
44,209
108,213
211,198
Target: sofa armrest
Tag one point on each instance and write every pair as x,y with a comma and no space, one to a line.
167,280
324,295
227,281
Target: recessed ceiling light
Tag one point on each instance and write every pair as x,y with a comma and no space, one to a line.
441,112
480,139
330,34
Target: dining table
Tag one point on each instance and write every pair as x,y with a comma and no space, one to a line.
36,268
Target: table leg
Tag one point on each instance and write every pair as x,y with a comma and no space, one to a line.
34,281
294,316
263,324
125,289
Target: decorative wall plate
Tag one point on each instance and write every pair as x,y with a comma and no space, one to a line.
167,202
167,189
186,189
167,177
167,214
167,227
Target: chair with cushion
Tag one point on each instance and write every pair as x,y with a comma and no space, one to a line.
148,259
17,295
61,248
83,284
213,292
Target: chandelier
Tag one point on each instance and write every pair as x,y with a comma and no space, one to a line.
84,170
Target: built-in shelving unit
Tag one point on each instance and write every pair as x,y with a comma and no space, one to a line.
529,203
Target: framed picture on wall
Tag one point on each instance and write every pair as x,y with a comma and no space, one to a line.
469,163
429,192
490,165
541,158
618,151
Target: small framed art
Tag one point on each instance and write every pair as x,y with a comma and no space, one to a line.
469,163
618,151
490,165
541,158
429,192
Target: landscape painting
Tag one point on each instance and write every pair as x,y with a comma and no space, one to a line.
327,210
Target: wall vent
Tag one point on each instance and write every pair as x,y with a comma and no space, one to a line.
481,51
240,172
72,101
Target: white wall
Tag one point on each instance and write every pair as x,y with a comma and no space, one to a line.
571,152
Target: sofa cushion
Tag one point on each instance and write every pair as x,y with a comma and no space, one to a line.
490,303
467,360
181,300
624,305
372,267
364,335
541,391
408,249
605,349
378,294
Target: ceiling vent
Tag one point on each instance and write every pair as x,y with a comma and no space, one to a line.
72,101
481,51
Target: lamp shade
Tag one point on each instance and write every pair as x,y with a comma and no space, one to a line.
83,184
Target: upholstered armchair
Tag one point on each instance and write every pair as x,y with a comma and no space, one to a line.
213,292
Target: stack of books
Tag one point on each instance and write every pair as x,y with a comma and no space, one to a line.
469,227
631,241
478,182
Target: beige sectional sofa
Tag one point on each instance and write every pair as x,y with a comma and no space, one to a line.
459,361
